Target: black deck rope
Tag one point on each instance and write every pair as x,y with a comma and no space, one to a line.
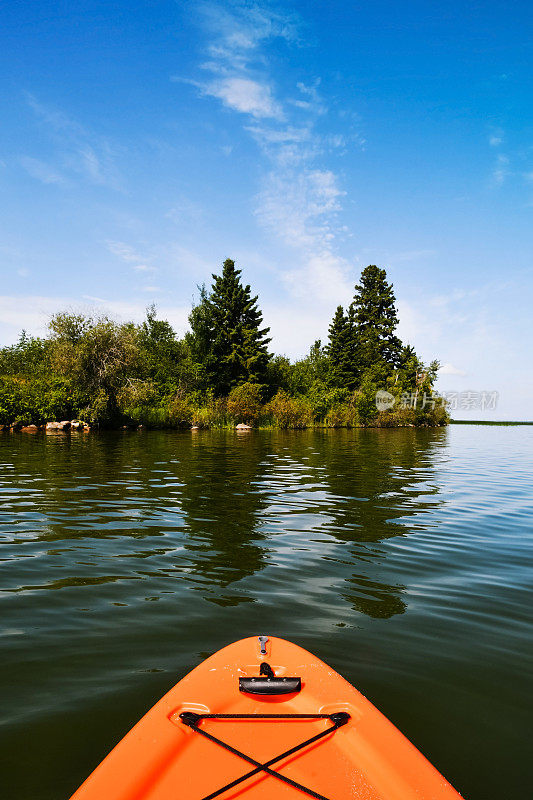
192,720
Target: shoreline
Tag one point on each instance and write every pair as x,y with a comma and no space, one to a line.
58,428
240,428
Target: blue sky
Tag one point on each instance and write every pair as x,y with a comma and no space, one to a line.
143,143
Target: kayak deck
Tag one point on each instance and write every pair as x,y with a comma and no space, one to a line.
353,752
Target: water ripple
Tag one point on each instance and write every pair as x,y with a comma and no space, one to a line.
401,557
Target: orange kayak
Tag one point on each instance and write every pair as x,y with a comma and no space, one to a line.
264,719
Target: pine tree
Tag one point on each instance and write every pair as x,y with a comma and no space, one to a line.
226,333
375,320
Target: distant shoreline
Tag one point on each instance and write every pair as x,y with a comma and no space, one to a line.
486,422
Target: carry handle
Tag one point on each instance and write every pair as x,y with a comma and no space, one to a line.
268,685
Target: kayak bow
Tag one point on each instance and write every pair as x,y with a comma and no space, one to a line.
264,719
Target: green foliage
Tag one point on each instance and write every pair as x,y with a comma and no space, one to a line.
226,333
365,354
375,320
342,415
342,350
29,356
365,399
278,374
37,400
307,371
210,411
289,412
322,398
220,373
99,356
244,402
165,360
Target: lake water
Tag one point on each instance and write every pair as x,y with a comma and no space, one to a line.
403,558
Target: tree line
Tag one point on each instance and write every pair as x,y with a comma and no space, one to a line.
221,371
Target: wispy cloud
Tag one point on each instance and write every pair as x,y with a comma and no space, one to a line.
168,260
300,196
300,206
450,369
126,311
239,76
79,153
41,171
129,255
30,313
246,96
237,31
501,171
186,212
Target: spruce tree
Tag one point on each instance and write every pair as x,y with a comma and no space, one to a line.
375,320
340,350
227,337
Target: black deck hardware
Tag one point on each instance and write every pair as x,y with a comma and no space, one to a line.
193,720
269,683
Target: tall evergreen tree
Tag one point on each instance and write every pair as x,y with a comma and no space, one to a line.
375,321
227,335
341,351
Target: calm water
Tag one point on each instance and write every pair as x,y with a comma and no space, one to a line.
403,558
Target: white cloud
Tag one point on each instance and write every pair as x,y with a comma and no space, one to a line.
290,146
292,329
41,171
144,268
300,206
128,254
123,251
272,136
236,35
167,260
501,170
236,32
323,279
299,199
246,96
29,313
151,289
126,311
468,328
185,211
79,153
97,168
449,369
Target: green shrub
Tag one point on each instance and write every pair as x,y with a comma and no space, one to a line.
38,400
323,399
342,415
289,412
209,411
244,403
180,410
